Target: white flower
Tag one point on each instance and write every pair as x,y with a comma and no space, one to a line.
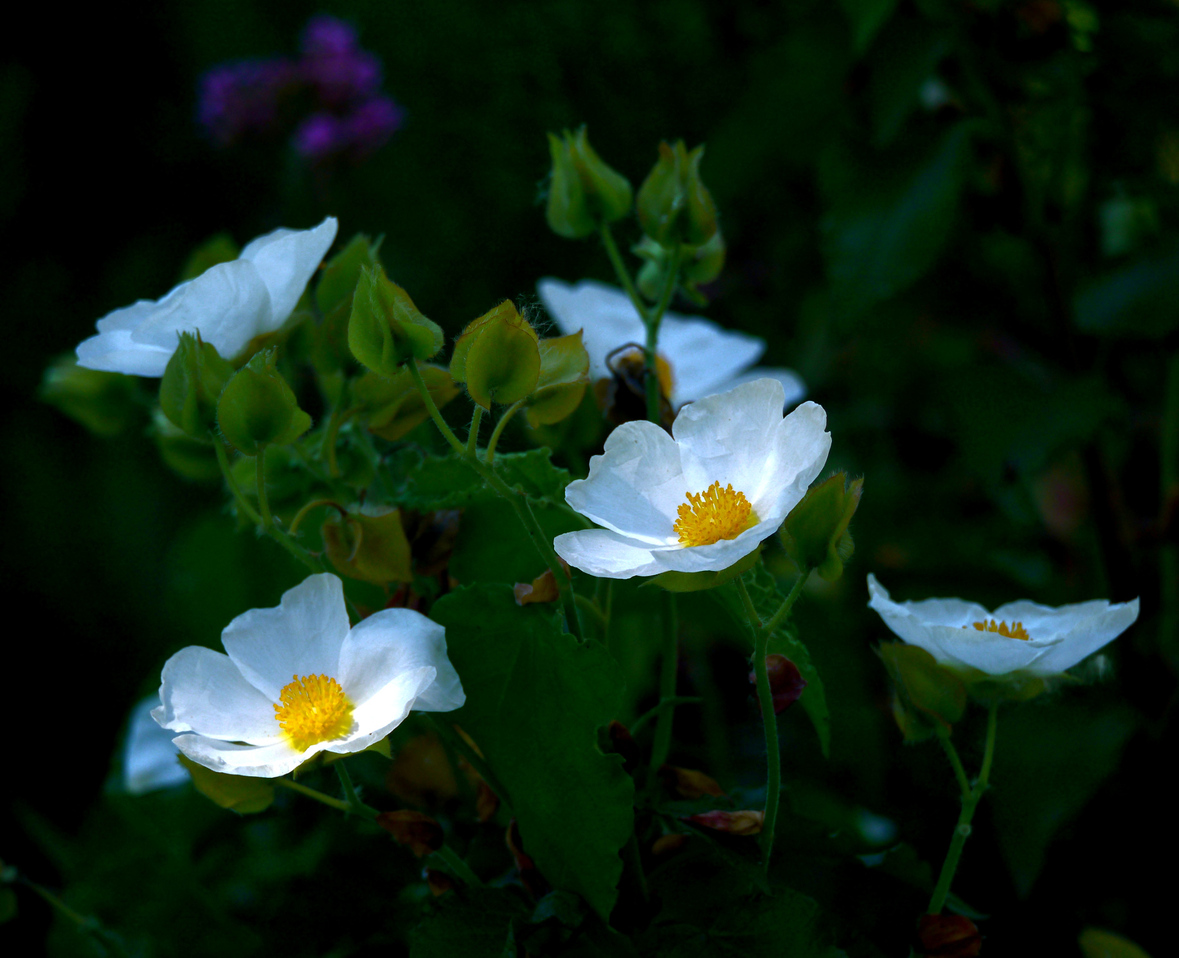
705,358
298,681
150,760
229,304
704,499
1020,636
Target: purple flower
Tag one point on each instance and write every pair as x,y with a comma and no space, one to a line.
355,135
320,136
334,64
326,36
241,98
372,123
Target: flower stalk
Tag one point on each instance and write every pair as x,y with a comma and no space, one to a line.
667,676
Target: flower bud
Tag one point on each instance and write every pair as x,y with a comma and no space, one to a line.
703,263
948,936
103,402
674,205
786,682
689,783
498,357
394,406
370,548
194,459
258,408
193,381
418,832
815,533
745,822
564,374
928,696
385,328
341,273
583,191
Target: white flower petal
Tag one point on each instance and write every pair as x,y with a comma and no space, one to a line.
384,710
717,556
635,486
389,643
203,691
604,313
606,554
704,356
986,651
302,636
150,760
792,385
286,260
1087,636
115,352
254,761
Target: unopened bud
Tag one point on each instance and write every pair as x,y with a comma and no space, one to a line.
815,534
928,696
689,783
370,548
498,357
786,682
193,382
668,844
948,936
583,190
541,589
673,203
257,408
386,329
560,386
419,833
745,822
394,406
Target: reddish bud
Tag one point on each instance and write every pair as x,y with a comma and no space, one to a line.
486,802
542,589
948,936
418,832
439,882
745,822
786,682
623,743
688,783
667,845
529,874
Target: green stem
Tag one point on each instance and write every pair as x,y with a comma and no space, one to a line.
473,433
474,759
313,793
1169,553
660,707
493,442
621,271
432,408
260,479
227,473
355,805
654,319
328,449
586,604
450,858
788,602
306,510
960,775
970,800
667,675
87,924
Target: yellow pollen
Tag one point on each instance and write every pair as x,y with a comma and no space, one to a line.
1016,631
712,515
314,709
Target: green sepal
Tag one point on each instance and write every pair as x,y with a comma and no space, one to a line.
341,273
105,403
386,329
370,548
564,374
673,203
192,384
815,534
699,581
243,794
258,408
701,219
394,406
497,357
608,193
703,263
1022,686
566,211
929,696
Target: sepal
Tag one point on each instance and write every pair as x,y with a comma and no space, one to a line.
497,357
192,384
386,329
815,533
258,408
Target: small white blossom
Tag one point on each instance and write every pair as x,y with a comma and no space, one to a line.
229,304
297,681
702,498
704,358
1020,636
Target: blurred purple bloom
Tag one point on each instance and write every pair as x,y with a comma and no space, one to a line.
349,116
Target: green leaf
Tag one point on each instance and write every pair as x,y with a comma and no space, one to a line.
1099,943
493,546
7,905
890,216
1049,760
535,701
1137,300
767,599
474,923
342,272
867,17
447,482
239,793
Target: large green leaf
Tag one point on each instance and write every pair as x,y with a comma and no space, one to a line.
493,546
447,482
474,923
1137,300
767,598
535,701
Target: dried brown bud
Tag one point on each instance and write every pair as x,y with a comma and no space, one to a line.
418,832
542,589
486,802
668,844
786,682
948,936
746,822
689,783
440,882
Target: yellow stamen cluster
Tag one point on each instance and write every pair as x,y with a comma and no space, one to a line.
314,709
1016,631
712,515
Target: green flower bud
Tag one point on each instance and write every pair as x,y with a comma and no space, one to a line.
193,381
193,459
328,347
674,204
258,408
498,357
385,329
105,403
394,406
564,374
370,548
703,263
927,697
815,533
583,191
341,273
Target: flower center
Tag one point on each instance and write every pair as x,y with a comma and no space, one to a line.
1016,630
712,515
314,709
